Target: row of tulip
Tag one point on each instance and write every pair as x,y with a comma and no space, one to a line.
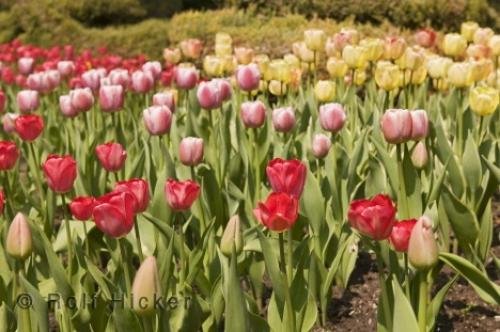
251,170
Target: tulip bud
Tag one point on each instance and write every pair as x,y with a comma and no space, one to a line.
422,249
92,78
394,47
425,37
19,240
191,151
419,156
438,66
27,100
232,237
253,113
213,66
248,77
324,91
478,51
186,77
65,68
396,125
153,67
25,65
283,119
111,98
387,76
142,81
460,74
494,45
191,48
454,45
81,99
111,156
172,55
483,100
9,122
336,67
157,119
243,55
482,36
146,287
359,77
419,124
119,76
332,117
277,88
166,98
321,145
315,39
66,107
355,56
411,59
374,48
467,30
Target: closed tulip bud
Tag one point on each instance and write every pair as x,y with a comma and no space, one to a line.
185,77
146,287
481,69
336,67
157,119
422,249
142,81
400,235
467,30
111,98
222,50
411,59
278,213
253,114
209,95
66,107
324,91
332,117
387,76
166,98
279,70
483,100
232,237
277,88
482,36
315,39
27,100
248,77
394,47
301,50
283,119
81,207
119,76
494,45
9,153
425,37
60,173
373,217
419,75
262,60
243,55
191,48
355,56
25,65
460,74
82,99
478,51
454,45
437,66
139,188
419,124
374,48
65,68
321,145
345,37
19,240
114,213
29,127
92,78
191,151
229,64
180,195
172,56
111,155
359,77
396,125
9,122
153,67
419,156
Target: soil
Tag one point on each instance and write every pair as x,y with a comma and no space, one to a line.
355,308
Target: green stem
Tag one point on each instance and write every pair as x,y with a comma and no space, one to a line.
25,312
126,270
182,254
402,198
422,305
69,240
87,242
38,178
288,297
407,276
138,240
383,290
289,265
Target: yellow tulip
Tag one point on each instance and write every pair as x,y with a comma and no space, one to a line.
374,48
292,61
213,65
460,74
315,39
243,55
301,50
454,44
483,100
410,59
262,60
359,77
387,76
277,88
437,66
494,45
468,29
336,67
355,56
483,35
324,91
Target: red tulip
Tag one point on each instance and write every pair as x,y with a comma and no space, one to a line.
287,176
180,195
114,213
29,127
82,207
2,201
400,234
373,217
139,188
9,153
60,172
111,155
278,213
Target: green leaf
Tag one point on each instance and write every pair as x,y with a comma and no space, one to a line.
463,221
272,265
404,317
486,289
493,169
471,164
436,303
236,312
39,305
126,320
313,203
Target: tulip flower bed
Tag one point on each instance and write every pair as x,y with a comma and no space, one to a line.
230,191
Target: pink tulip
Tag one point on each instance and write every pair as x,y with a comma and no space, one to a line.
419,125
119,77
164,98
211,94
425,37
191,48
27,100
66,68
92,78
111,98
53,78
253,113
185,77
396,126
25,65
191,151
82,99
9,122
66,107
248,77
38,82
153,67
142,81
332,117
321,145
283,119
157,119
